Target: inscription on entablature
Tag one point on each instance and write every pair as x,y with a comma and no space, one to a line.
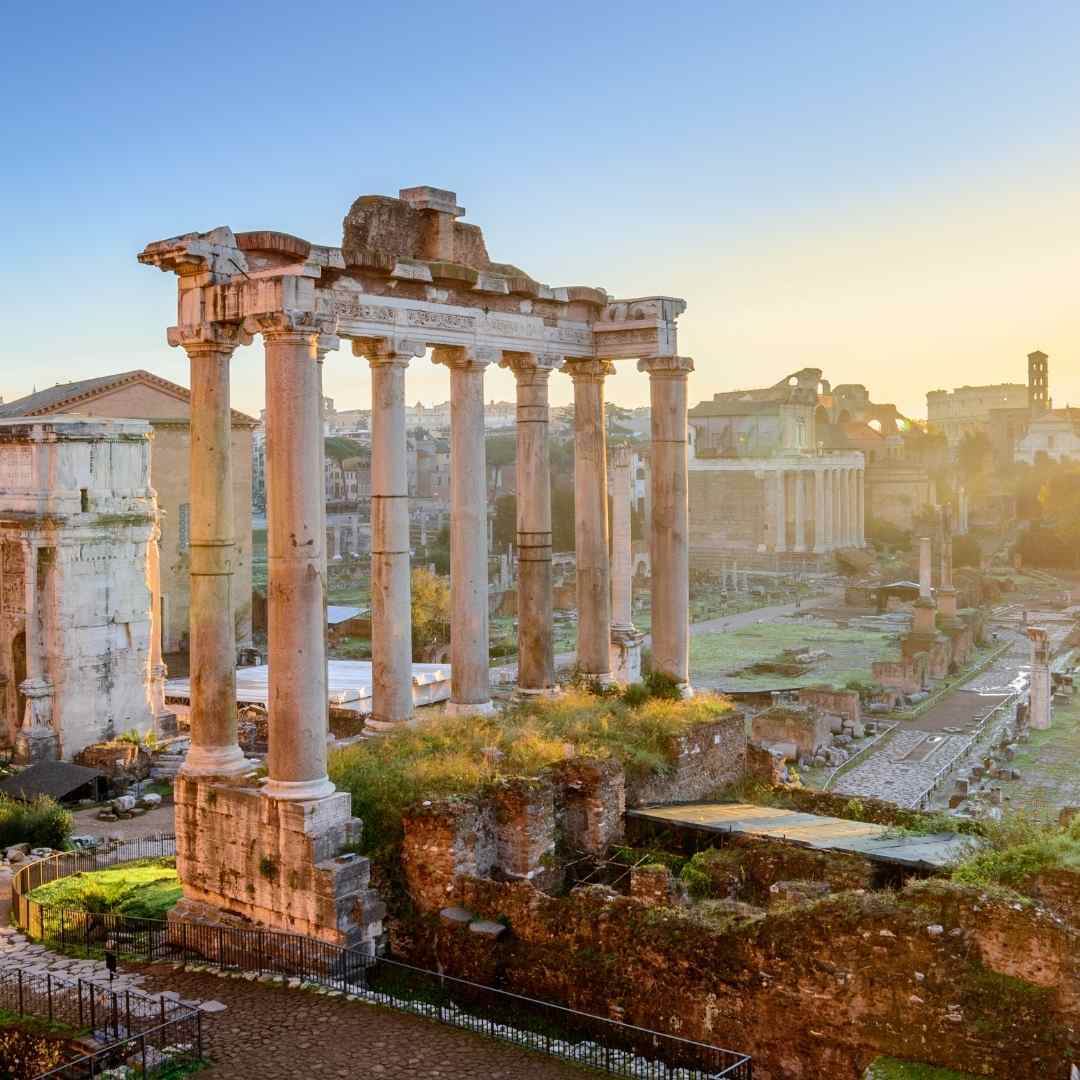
568,335
439,320
16,468
352,307
626,337
12,578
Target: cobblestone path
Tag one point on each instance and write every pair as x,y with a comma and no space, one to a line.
886,774
272,1033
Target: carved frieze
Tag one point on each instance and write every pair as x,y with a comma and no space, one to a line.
12,578
16,468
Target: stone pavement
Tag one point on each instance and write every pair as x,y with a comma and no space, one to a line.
274,1033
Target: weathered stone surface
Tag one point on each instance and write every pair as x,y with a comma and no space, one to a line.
75,606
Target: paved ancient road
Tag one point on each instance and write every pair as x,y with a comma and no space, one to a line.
278,1034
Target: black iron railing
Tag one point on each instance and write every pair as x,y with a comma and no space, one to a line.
616,1048
150,1035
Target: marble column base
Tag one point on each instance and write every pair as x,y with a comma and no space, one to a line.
460,708
626,654
215,761
35,745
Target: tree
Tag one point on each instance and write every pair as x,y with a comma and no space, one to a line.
504,527
430,611
562,518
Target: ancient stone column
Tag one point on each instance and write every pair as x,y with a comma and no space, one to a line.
670,549
470,691
1039,715
820,531
947,593
800,511
861,511
214,748
779,511
828,518
925,608
625,637
36,740
845,507
164,721
391,590
536,652
296,543
621,462
591,518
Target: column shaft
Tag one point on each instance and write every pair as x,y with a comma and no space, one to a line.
469,649
670,548
536,651
591,518
819,511
800,510
780,511
391,589
861,512
622,570
296,542
214,747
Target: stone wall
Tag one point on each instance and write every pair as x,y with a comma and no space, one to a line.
842,703
943,974
525,828
273,862
707,758
117,760
728,515
806,729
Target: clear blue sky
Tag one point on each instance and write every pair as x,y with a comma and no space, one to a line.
888,192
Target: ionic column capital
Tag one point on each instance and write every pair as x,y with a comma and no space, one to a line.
531,364
464,357
208,338
585,371
666,367
392,352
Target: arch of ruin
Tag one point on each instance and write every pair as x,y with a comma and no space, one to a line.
409,277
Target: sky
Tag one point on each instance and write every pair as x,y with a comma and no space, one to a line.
888,192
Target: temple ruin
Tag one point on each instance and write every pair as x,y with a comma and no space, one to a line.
409,277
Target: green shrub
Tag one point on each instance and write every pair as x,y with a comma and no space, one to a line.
41,823
1019,847
446,756
660,685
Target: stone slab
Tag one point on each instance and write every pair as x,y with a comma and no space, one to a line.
349,685
876,842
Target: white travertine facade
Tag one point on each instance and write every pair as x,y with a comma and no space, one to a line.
408,278
78,527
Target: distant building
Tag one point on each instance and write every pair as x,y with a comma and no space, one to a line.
1056,434
760,484
966,410
167,406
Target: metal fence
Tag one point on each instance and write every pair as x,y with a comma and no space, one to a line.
613,1047
151,1036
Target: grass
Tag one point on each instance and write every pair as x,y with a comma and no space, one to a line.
722,656
1049,778
886,1068
1019,847
145,888
458,756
